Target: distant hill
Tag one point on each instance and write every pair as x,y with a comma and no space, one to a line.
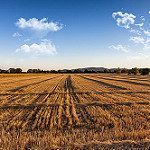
93,68
88,68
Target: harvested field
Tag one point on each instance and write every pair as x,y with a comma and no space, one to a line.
75,111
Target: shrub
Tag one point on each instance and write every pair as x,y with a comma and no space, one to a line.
145,71
124,70
135,71
118,71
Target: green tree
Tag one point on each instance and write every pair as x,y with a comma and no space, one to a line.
106,71
118,71
93,71
12,70
124,70
86,71
109,71
53,71
135,71
68,71
129,72
59,71
145,71
18,70
77,71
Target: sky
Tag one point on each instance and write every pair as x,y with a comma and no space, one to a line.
59,34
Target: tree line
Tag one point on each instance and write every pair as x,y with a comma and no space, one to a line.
135,71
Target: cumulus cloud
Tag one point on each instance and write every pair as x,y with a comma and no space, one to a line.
119,48
38,25
124,19
45,47
16,34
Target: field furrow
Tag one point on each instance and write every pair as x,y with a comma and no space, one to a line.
76,107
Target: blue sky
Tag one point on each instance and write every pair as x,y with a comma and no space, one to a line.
57,34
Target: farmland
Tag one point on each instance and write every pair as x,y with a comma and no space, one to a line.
74,111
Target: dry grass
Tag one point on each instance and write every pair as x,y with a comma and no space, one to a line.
21,74
97,111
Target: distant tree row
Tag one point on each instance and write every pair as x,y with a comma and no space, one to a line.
135,71
143,71
37,71
11,70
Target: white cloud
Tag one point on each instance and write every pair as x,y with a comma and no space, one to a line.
139,56
16,34
142,18
26,40
124,20
39,25
119,48
135,31
45,47
140,24
141,40
147,44
149,12
146,32
137,39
